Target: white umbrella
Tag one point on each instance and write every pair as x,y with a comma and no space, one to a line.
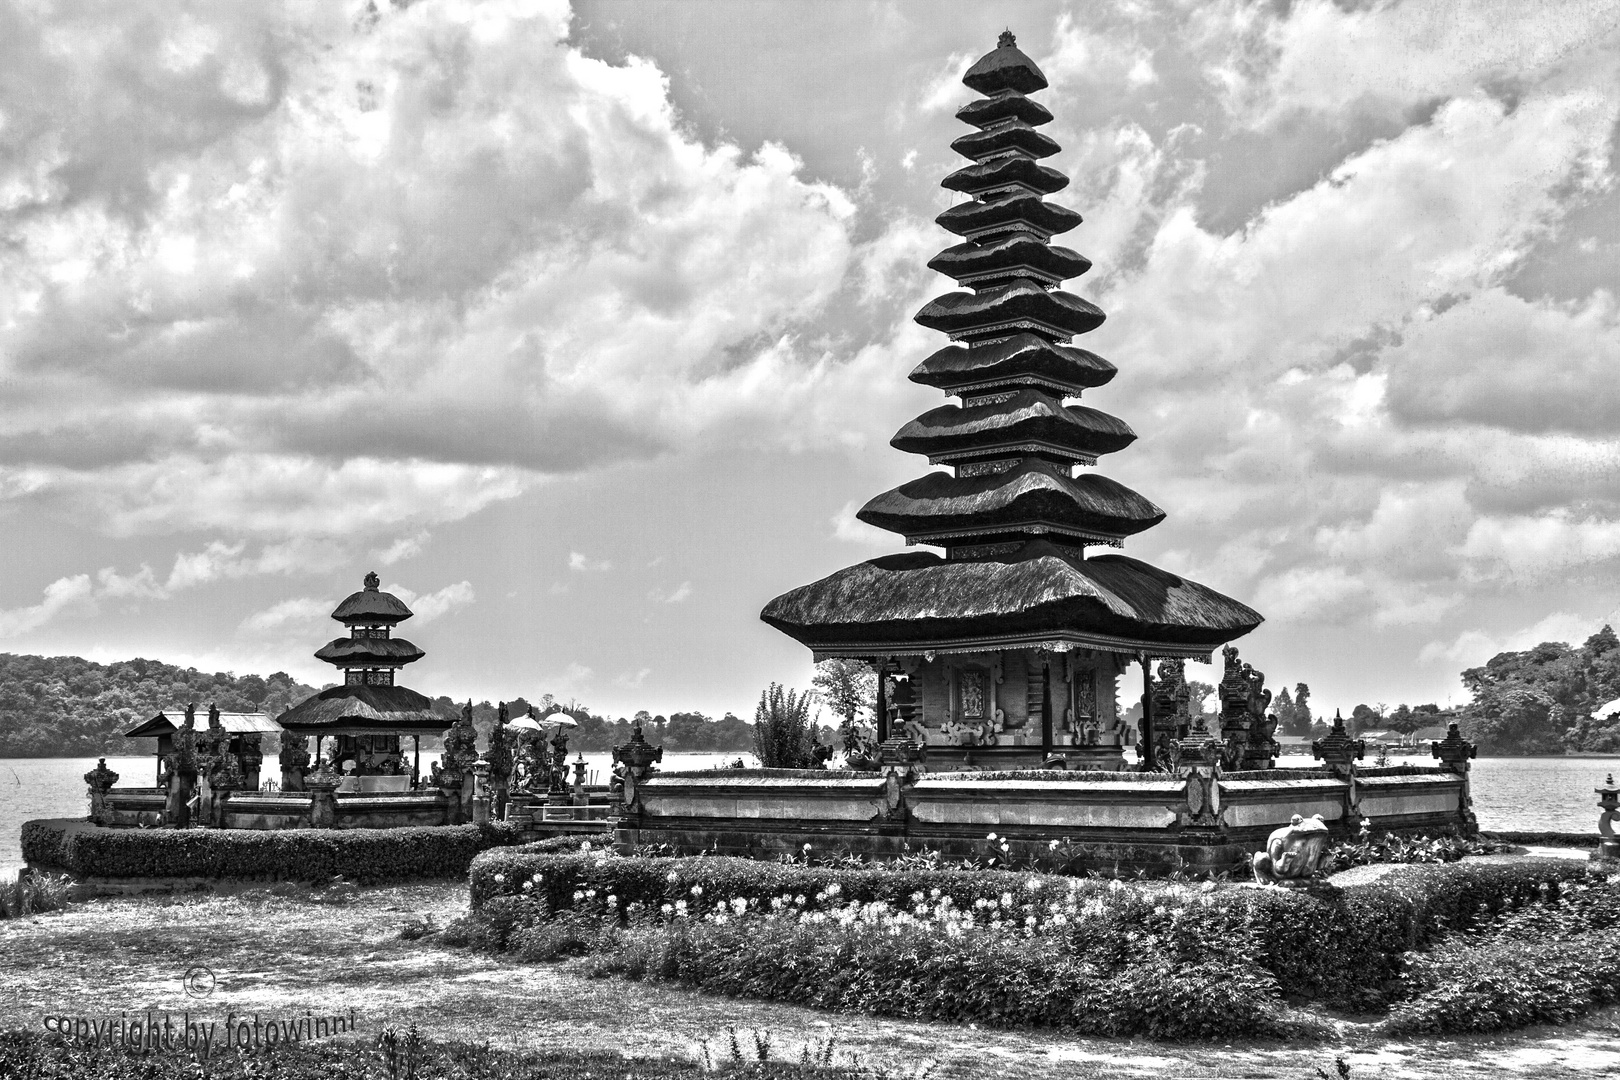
556,720
1603,712
525,723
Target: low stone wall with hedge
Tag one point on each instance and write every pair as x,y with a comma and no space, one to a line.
366,856
1342,946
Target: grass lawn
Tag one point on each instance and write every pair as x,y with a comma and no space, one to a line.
280,955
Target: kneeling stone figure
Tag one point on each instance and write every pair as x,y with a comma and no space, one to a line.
1293,853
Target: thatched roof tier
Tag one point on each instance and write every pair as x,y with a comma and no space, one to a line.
1033,497
1014,522
1042,593
370,606
1005,68
1021,360
1015,139
353,708
1005,259
1029,419
986,111
1030,213
1005,174
369,652
1022,305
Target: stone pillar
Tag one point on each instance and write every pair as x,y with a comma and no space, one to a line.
177,809
1198,761
637,757
520,808
900,759
100,780
322,787
1454,753
480,799
1339,753
580,797
1608,813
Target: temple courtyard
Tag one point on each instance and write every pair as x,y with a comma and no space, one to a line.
280,953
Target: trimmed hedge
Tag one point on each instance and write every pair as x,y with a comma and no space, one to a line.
1545,839
1343,945
367,856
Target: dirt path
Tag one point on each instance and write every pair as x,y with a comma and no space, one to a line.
279,957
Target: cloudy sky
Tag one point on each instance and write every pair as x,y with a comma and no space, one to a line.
587,326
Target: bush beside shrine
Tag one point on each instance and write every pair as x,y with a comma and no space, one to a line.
1203,943
365,856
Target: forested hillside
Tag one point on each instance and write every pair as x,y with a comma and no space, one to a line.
1541,701
63,706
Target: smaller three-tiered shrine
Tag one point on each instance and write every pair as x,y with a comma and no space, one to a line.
369,711
1009,647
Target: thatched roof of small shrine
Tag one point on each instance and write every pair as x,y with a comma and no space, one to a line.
355,707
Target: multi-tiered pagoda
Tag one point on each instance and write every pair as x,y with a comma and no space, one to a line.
368,711
1014,641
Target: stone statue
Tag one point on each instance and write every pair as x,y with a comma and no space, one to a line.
460,747
1293,853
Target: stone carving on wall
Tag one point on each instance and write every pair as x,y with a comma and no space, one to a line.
1172,714
1246,730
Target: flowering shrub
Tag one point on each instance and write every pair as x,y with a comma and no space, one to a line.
1168,959
1391,848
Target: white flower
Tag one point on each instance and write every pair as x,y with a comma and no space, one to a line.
1051,845
586,846
500,878
612,898
992,836
671,877
697,890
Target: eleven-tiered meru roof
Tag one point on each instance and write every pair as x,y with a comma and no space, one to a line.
1012,515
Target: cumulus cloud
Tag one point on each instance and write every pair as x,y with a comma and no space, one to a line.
429,606
671,596
1474,647
1353,419
581,563
328,273
299,614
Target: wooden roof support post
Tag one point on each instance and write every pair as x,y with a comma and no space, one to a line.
1046,707
882,700
1145,739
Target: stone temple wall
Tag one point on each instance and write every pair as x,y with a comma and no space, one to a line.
1134,820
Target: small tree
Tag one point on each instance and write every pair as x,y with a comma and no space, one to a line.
784,730
848,686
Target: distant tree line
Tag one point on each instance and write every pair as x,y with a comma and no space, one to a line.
65,706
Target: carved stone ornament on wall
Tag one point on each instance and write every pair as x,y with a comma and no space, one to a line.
972,684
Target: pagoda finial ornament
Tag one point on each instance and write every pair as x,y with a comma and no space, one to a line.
1018,503
372,581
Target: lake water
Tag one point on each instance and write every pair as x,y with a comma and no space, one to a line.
1509,793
